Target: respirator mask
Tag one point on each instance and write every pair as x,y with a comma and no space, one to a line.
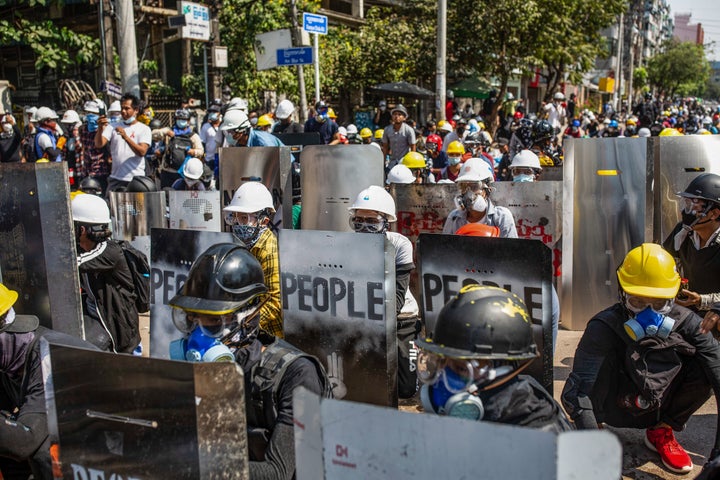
471,199
650,317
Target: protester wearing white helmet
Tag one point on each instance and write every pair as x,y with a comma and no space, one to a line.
555,111
372,212
237,125
474,204
525,167
108,300
46,147
644,132
400,174
114,113
286,124
352,135
249,215
129,142
95,161
190,173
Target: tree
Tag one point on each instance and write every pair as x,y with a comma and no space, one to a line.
680,69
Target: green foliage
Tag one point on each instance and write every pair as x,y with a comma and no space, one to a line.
680,69
640,78
57,48
157,87
193,85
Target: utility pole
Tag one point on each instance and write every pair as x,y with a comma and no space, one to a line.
106,41
300,70
440,78
127,47
619,72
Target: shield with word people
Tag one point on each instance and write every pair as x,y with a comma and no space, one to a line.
195,210
260,164
537,209
38,258
135,214
332,176
140,418
172,254
338,298
449,262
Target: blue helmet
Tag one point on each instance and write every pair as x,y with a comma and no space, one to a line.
613,124
576,123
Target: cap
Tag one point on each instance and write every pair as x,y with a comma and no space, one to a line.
399,108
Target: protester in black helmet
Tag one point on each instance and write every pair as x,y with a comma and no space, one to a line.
91,185
24,442
471,362
643,362
695,241
323,124
108,300
218,308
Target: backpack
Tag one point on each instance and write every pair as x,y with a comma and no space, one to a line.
28,147
140,271
176,151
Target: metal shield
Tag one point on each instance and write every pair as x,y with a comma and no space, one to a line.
134,214
678,160
449,262
140,418
195,210
607,211
38,257
172,255
537,209
338,298
332,176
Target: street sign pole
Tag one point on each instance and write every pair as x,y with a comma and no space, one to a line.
317,69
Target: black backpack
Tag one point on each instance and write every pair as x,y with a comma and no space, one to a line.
140,271
28,147
176,151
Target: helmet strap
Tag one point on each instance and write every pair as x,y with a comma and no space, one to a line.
504,379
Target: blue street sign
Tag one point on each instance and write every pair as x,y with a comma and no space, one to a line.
314,23
295,56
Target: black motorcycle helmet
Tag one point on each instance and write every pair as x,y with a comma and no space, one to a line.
705,186
91,185
223,279
140,184
155,124
543,130
482,322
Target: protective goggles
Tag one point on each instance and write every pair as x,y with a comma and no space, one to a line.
215,326
694,204
432,368
239,218
375,224
471,186
637,304
522,171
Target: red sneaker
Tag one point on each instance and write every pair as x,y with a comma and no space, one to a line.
662,440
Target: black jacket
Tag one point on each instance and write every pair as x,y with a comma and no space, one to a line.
107,283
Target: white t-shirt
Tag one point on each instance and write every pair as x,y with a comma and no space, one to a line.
207,137
125,164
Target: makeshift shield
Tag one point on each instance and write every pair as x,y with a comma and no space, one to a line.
135,214
332,176
38,258
537,209
172,255
338,298
195,210
449,262
354,441
110,421
607,211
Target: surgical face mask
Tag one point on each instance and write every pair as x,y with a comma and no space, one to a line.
253,121
454,160
114,120
92,122
230,141
7,128
204,348
214,117
523,178
376,224
129,121
181,123
649,322
470,200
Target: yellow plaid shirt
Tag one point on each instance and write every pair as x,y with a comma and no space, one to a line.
266,251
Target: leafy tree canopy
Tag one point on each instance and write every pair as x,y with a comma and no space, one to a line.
681,69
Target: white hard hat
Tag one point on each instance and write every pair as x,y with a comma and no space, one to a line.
235,119
474,170
375,198
644,132
237,103
446,127
400,174
91,106
250,197
45,113
342,131
284,109
352,129
444,180
90,209
31,110
114,106
193,169
559,96
70,116
606,121
526,158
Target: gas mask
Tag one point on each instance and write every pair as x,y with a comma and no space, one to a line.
200,347
650,318
471,200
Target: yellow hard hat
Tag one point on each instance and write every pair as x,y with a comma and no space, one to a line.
378,133
630,121
366,133
456,148
670,132
440,124
331,113
7,298
414,160
264,120
649,271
